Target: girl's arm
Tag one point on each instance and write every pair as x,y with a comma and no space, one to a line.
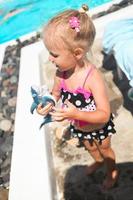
99,91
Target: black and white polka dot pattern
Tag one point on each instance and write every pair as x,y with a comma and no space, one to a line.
78,100
88,104
99,135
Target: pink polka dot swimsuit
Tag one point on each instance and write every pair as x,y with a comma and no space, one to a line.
84,101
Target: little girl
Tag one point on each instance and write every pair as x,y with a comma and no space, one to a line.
68,37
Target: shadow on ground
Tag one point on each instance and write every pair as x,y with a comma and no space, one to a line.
78,186
109,64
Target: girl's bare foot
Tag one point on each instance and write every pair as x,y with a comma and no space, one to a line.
93,167
110,180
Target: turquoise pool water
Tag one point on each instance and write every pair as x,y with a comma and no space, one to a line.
19,17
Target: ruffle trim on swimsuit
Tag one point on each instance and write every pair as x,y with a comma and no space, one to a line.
99,135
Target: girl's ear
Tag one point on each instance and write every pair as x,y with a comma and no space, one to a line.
78,53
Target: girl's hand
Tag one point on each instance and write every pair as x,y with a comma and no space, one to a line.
44,110
68,112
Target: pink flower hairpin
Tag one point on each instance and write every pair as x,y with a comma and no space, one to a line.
74,23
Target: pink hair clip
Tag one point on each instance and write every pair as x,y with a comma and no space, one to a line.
74,23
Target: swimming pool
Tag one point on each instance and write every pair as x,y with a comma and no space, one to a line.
21,17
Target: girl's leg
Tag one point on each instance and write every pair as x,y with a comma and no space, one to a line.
96,155
109,159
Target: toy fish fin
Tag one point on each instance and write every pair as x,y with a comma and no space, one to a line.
34,95
46,120
33,107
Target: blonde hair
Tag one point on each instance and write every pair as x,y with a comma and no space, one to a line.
59,32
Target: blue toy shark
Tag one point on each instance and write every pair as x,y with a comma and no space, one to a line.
41,95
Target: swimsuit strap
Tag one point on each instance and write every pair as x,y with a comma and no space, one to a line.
89,72
63,84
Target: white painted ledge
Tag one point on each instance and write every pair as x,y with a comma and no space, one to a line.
30,172
101,22
103,7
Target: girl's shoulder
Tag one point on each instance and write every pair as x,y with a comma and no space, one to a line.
94,71
94,76
96,80
90,71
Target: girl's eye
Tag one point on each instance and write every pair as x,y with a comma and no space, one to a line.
54,55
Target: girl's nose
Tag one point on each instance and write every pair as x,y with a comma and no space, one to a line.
51,58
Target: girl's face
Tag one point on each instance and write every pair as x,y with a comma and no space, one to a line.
63,58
